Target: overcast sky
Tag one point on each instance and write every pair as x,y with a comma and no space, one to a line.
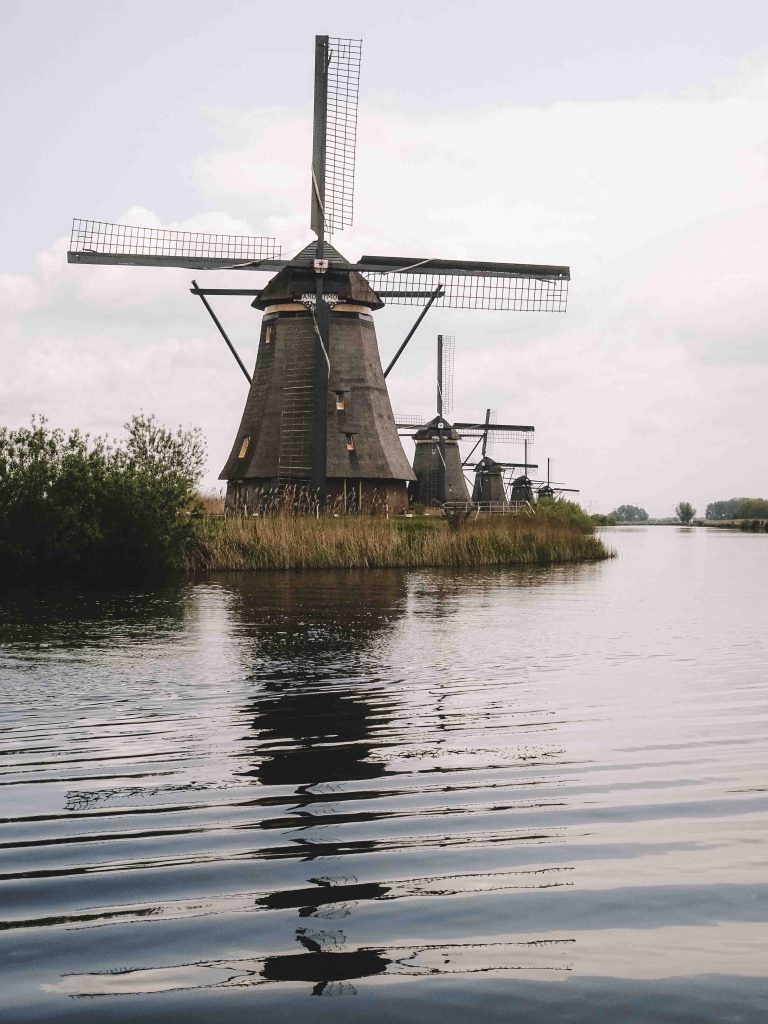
628,141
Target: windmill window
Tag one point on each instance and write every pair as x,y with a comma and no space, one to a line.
268,334
350,442
340,405
244,447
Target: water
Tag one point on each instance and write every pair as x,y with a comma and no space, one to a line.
519,795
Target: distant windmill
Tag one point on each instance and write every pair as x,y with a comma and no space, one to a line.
550,490
437,460
318,413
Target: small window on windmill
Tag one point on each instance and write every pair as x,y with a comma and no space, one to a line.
268,334
340,403
244,447
350,442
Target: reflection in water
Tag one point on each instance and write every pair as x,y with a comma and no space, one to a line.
332,783
320,718
321,968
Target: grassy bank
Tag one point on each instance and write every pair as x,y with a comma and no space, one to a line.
553,535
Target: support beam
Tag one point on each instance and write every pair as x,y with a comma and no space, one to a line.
253,292
435,295
197,291
474,449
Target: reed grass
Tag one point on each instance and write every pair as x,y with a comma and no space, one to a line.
303,542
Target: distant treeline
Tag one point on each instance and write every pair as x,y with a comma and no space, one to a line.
738,508
71,505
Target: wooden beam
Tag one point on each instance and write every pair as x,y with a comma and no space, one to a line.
185,262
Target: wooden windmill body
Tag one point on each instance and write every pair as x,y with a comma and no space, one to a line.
365,465
317,415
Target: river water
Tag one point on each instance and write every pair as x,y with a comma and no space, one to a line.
518,795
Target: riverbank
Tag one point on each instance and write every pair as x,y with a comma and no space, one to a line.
747,525
551,536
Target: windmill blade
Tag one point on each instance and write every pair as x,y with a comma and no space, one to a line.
337,83
470,284
407,422
446,345
502,432
96,241
489,441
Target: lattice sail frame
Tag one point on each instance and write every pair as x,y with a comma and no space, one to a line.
472,291
500,434
449,350
490,443
341,131
102,237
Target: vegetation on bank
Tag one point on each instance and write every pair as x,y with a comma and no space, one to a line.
71,505
559,532
746,525
79,507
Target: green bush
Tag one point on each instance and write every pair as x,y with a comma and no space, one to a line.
603,520
72,505
630,514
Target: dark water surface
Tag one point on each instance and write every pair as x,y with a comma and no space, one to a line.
529,795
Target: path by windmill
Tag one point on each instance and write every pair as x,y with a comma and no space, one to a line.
318,413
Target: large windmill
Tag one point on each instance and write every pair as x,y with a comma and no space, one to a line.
437,461
317,412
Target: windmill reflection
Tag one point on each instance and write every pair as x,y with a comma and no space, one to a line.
319,719
321,723
317,713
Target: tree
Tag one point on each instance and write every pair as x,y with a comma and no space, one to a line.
685,512
630,514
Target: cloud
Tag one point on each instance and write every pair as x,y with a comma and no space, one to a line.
649,390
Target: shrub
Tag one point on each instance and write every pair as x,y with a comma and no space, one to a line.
73,505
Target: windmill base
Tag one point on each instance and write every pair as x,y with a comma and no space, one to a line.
349,496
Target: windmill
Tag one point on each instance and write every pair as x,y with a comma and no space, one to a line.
489,474
437,461
318,413
553,490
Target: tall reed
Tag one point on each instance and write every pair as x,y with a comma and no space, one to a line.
303,542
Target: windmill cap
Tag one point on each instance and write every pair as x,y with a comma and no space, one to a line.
487,465
438,426
298,279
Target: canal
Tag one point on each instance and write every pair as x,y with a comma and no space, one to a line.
394,796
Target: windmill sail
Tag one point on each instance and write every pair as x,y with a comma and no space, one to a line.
96,241
446,347
502,432
469,284
337,82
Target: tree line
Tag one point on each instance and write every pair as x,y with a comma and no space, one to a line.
738,508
